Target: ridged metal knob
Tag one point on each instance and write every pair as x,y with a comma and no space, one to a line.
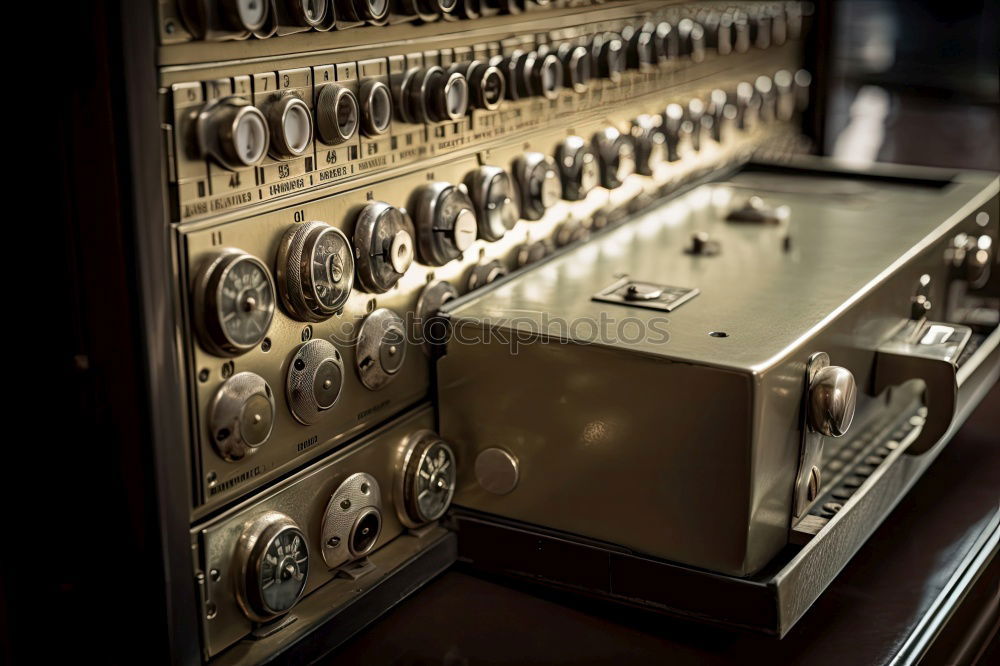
833,395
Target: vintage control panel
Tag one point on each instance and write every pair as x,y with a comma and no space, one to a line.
337,171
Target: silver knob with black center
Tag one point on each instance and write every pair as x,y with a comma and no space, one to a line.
649,142
383,246
577,66
481,275
273,557
231,131
494,199
315,271
537,183
314,380
241,416
337,114
352,522
381,348
616,155
307,12
434,95
233,302
608,53
370,11
544,74
486,83
578,167
291,125
376,107
445,222
425,479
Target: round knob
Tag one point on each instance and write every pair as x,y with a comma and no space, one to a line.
433,95
722,113
666,42
537,184
608,52
512,67
578,166
376,108
696,114
372,11
248,15
616,156
425,479
748,105
383,246
576,64
483,274
308,13
315,271
233,302
337,114
497,471
233,132
544,74
273,556
315,379
290,121
641,50
493,196
241,416
832,399
673,119
445,222
691,38
650,143
486,84
381,348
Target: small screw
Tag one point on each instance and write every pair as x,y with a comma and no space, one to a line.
227,370
210,610
345,505
266,345
333,542
203,375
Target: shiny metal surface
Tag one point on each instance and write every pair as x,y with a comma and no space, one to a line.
738,349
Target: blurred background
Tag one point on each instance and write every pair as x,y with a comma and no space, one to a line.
913,82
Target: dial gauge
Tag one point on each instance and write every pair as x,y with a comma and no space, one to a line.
315,271
234,302
427,477
275,565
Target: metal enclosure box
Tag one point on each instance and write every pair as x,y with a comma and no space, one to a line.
676,435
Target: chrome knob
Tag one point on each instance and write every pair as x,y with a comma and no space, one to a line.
537,183
486,84
649,142
617,157
492,193
578,166
576,67
833,395
544,75
315,271
445,222
608,53
290,121
241,416
337,114
376,108
383,246
231,131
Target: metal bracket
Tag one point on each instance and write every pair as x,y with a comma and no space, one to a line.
808,481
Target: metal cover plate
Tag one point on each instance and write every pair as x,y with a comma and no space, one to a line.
646,295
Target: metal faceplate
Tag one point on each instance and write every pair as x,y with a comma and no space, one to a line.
696,411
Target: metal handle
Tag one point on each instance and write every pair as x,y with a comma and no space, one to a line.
929,352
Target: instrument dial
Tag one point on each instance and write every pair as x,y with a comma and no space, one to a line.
246,15
578,167
308,12
445,222
493,196
577,64
537,184
241,416
233,132
315,379
291,126
617,157
275,566
381,348
315,271
427,479
649,142
383,246
337,114
234,303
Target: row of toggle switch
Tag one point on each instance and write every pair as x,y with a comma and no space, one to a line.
317,263
237,134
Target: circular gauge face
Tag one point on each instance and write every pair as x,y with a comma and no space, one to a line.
431,481
332,269
252,13
250,137
281,570
245,302
234,303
